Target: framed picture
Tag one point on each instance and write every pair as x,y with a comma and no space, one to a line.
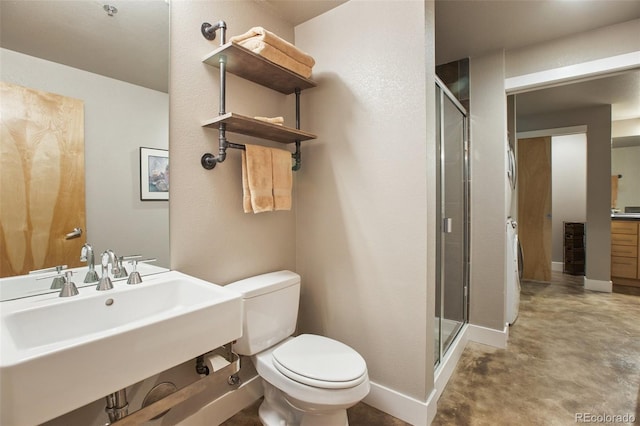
154,174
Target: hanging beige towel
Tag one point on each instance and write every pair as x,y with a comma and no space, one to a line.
270,38
246,192
282,179
279,121
259,178
277,56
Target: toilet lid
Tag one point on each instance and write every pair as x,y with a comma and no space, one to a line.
320,362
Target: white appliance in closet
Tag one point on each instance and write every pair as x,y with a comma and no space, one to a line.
513,277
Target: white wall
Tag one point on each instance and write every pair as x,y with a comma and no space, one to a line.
568,186
119,118
363,224
626,162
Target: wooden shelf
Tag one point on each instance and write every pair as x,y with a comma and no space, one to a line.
237,123
248,65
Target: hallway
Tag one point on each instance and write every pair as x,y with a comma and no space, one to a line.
570,351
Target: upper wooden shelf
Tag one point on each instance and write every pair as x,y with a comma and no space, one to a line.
237,123
248,65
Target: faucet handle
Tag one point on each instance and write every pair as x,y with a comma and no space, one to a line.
120,271
58,279
105,282
69,288
135,277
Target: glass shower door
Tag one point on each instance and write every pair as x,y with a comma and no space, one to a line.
453,217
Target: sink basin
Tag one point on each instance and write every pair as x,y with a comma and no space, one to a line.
58,354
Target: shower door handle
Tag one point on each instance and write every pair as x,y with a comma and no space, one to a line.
447,225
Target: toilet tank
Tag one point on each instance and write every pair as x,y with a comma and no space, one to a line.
270,303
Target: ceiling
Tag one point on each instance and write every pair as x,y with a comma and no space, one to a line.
133,45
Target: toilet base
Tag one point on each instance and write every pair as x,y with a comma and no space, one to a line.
279,409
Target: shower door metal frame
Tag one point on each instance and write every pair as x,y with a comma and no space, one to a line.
466,183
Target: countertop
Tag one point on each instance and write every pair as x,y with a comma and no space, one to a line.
625,216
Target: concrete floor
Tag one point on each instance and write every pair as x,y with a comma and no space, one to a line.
571,352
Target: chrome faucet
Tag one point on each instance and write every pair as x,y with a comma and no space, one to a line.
113,260
121,270
106,258
86,255
69,287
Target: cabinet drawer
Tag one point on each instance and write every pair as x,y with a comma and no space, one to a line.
624,227
624,240
624,267
624,251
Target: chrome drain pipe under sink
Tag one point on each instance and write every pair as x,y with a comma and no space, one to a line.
117,405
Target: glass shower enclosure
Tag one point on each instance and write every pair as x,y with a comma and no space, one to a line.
452,243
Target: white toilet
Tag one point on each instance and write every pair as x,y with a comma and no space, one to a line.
308,380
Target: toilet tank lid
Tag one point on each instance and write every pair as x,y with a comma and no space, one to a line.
265,283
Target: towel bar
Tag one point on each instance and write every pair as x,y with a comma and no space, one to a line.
209,160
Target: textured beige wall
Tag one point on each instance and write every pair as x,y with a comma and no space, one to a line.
363,228
489,207
211,237
582,47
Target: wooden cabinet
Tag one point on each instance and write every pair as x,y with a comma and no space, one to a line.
625,264
574,248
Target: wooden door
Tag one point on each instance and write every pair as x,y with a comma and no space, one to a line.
42,185
614,191
534,207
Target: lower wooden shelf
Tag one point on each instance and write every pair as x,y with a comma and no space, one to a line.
243,125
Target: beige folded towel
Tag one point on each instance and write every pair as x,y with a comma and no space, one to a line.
270,38
276,56
282,179
279,121
258,175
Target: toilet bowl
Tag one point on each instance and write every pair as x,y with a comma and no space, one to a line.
308,380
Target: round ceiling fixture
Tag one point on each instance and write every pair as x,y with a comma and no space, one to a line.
111,10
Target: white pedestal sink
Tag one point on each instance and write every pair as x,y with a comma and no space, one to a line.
58,354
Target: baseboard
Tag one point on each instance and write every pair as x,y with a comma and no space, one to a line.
229,404
422,413
598,285
401,406
445,370
557,266
489,336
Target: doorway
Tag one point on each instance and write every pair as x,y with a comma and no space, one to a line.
552,186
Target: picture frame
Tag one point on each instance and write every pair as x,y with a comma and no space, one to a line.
154,174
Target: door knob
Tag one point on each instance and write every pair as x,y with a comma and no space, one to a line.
73,234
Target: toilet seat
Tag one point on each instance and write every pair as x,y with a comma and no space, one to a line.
320,362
